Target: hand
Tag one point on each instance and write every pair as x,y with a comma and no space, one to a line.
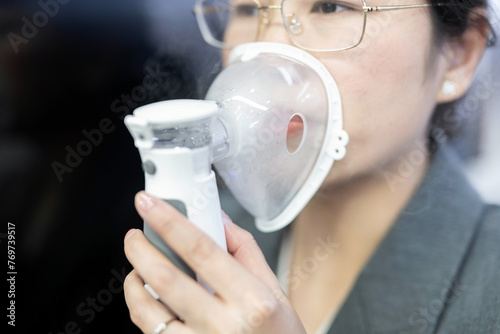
247,299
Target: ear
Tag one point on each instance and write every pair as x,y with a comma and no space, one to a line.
464,54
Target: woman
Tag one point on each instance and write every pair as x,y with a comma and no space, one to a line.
395,240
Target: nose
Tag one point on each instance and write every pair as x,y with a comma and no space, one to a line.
272,28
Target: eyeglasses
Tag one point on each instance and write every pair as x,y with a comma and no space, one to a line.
313,25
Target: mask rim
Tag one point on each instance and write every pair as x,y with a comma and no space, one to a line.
334,143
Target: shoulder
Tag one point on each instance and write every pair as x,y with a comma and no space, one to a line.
483,261
491,221
475,307
482,266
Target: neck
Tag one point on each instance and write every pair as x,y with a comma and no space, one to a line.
358,214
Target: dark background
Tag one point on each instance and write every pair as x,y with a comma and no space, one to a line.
60,82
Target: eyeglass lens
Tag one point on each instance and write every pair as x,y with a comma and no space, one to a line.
311,24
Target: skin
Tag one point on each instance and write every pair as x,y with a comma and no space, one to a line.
389,87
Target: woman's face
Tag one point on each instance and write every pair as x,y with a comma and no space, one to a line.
388,86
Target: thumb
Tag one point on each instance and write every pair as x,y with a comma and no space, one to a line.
242,246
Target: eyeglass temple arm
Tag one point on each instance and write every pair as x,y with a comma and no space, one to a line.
387,8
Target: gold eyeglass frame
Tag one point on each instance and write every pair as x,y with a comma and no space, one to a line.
205,31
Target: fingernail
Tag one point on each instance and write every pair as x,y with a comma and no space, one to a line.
225,218
129,233
145,202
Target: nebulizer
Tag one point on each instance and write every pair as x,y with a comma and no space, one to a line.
271,125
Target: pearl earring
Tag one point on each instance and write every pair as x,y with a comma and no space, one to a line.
449,88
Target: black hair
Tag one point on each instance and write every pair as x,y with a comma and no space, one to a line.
453,17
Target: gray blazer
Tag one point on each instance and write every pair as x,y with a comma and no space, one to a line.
437,270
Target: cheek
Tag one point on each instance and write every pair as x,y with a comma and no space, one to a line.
386,100
380,88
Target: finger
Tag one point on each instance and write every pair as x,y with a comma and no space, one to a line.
177,290
220,270
169,327
145,312
242,246
177,327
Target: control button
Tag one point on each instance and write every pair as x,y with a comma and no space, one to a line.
149,167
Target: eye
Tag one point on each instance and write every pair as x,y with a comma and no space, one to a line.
246,10
328,7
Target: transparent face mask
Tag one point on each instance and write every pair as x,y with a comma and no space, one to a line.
284,113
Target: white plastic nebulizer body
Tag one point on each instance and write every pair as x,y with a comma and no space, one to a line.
175,141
